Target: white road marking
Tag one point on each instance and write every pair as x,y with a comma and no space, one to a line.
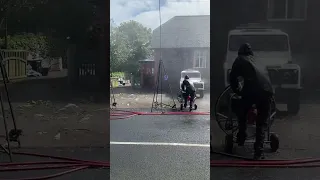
159,144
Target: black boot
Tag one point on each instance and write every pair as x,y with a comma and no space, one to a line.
258,155
241,138
258,151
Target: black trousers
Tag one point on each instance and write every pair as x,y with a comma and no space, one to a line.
192,95
242,107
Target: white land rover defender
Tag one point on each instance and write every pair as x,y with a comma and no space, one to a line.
271,48
195,79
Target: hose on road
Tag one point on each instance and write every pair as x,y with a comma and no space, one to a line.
245,162
123,114
64,163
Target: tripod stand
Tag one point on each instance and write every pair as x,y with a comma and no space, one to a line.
12,135
159,84
114,103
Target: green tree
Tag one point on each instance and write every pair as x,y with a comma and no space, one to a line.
119,51
36,44
60,19
8,8
61,22
130,42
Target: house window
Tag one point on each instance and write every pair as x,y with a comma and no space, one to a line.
200,59
287,9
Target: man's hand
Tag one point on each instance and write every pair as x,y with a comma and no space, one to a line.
238,91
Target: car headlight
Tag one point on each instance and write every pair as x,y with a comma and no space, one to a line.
283,76
290,76
198,85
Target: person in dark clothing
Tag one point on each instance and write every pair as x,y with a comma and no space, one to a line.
256,89
189,90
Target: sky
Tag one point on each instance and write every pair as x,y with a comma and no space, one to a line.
147,11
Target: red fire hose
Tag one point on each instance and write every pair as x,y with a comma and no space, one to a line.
304,163
122,114
51,176
64,163
250,163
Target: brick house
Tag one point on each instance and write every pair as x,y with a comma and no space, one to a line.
185,44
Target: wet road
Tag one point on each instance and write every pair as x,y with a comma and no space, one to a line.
139,161
144,100
299,138
91,154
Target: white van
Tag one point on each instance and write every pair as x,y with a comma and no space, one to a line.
271,48
195,79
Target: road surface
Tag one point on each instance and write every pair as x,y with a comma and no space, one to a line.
132,158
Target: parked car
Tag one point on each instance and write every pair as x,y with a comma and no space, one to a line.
273,54
195,79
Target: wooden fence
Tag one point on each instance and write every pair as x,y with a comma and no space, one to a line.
15,62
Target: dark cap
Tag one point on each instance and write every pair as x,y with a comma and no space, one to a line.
245,50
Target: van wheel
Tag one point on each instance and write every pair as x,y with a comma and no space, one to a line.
293,106
201,94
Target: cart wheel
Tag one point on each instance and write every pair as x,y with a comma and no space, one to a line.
228,146
195,107
274,142
181,107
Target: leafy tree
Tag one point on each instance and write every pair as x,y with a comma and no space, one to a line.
130,42
62,19
9,8
36,44
119,51
55,20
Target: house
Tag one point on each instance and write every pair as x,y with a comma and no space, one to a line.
298,18
184,43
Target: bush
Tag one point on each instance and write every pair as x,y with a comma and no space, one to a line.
118,74
36,44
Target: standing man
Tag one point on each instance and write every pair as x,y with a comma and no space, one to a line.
257,89
189,90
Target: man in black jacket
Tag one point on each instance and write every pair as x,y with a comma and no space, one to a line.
189,90
257,89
